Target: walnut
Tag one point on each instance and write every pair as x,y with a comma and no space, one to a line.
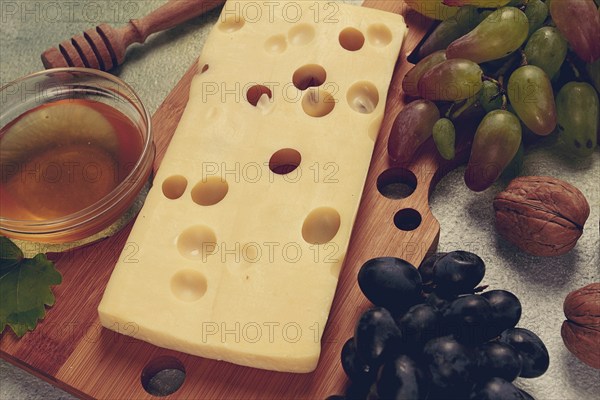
581,330
541,215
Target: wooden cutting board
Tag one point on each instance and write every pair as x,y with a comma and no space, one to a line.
71,350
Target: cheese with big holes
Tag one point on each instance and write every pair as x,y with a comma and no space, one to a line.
236,253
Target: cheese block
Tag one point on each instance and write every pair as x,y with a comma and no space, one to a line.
236,253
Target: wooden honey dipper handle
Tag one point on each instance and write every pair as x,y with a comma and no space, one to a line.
103,47
167,16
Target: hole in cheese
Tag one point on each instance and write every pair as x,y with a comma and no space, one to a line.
210,191
321,225
284,161
231,23
351,39
276,44
363,97
174,186
317,102
188,285
197,242
379,35
407,219
301,34
310,75
255,92
163,376
396,183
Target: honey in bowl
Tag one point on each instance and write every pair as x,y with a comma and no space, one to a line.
62,157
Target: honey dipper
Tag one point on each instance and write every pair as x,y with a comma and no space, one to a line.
103,47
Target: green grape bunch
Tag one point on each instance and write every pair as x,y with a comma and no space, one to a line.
520,70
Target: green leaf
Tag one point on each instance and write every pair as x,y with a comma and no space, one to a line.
10,254
24,291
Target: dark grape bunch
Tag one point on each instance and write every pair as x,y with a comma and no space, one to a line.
435,334
519,69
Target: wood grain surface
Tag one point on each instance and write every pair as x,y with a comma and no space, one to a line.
71,350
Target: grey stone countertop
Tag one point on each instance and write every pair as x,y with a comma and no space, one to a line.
28,27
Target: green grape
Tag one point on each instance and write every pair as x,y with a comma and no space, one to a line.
451,80
498,35
530,93
495,144
490,97
593,70
536,12
579,22
412,126
547,49
444,136
446,32
477,3
578,110
432,8
527,135
514,168
517,3
469,17
411,79
451,29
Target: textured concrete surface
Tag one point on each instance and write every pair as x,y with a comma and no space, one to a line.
28,27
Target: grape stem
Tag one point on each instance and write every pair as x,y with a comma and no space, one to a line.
523,59
452,114
501,91
508,64
501,72
480,289
494,81
574,68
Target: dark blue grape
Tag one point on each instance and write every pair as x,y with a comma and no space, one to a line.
336,397
532,350
506,309
391,283
496,389
426,270
450,365
468,318
429,335
401,378
356,392
357,370
376,336
458,272
420,324
496,359
437,301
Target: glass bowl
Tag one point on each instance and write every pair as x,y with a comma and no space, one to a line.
76,151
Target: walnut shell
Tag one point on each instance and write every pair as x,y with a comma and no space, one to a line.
581,330
541,215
